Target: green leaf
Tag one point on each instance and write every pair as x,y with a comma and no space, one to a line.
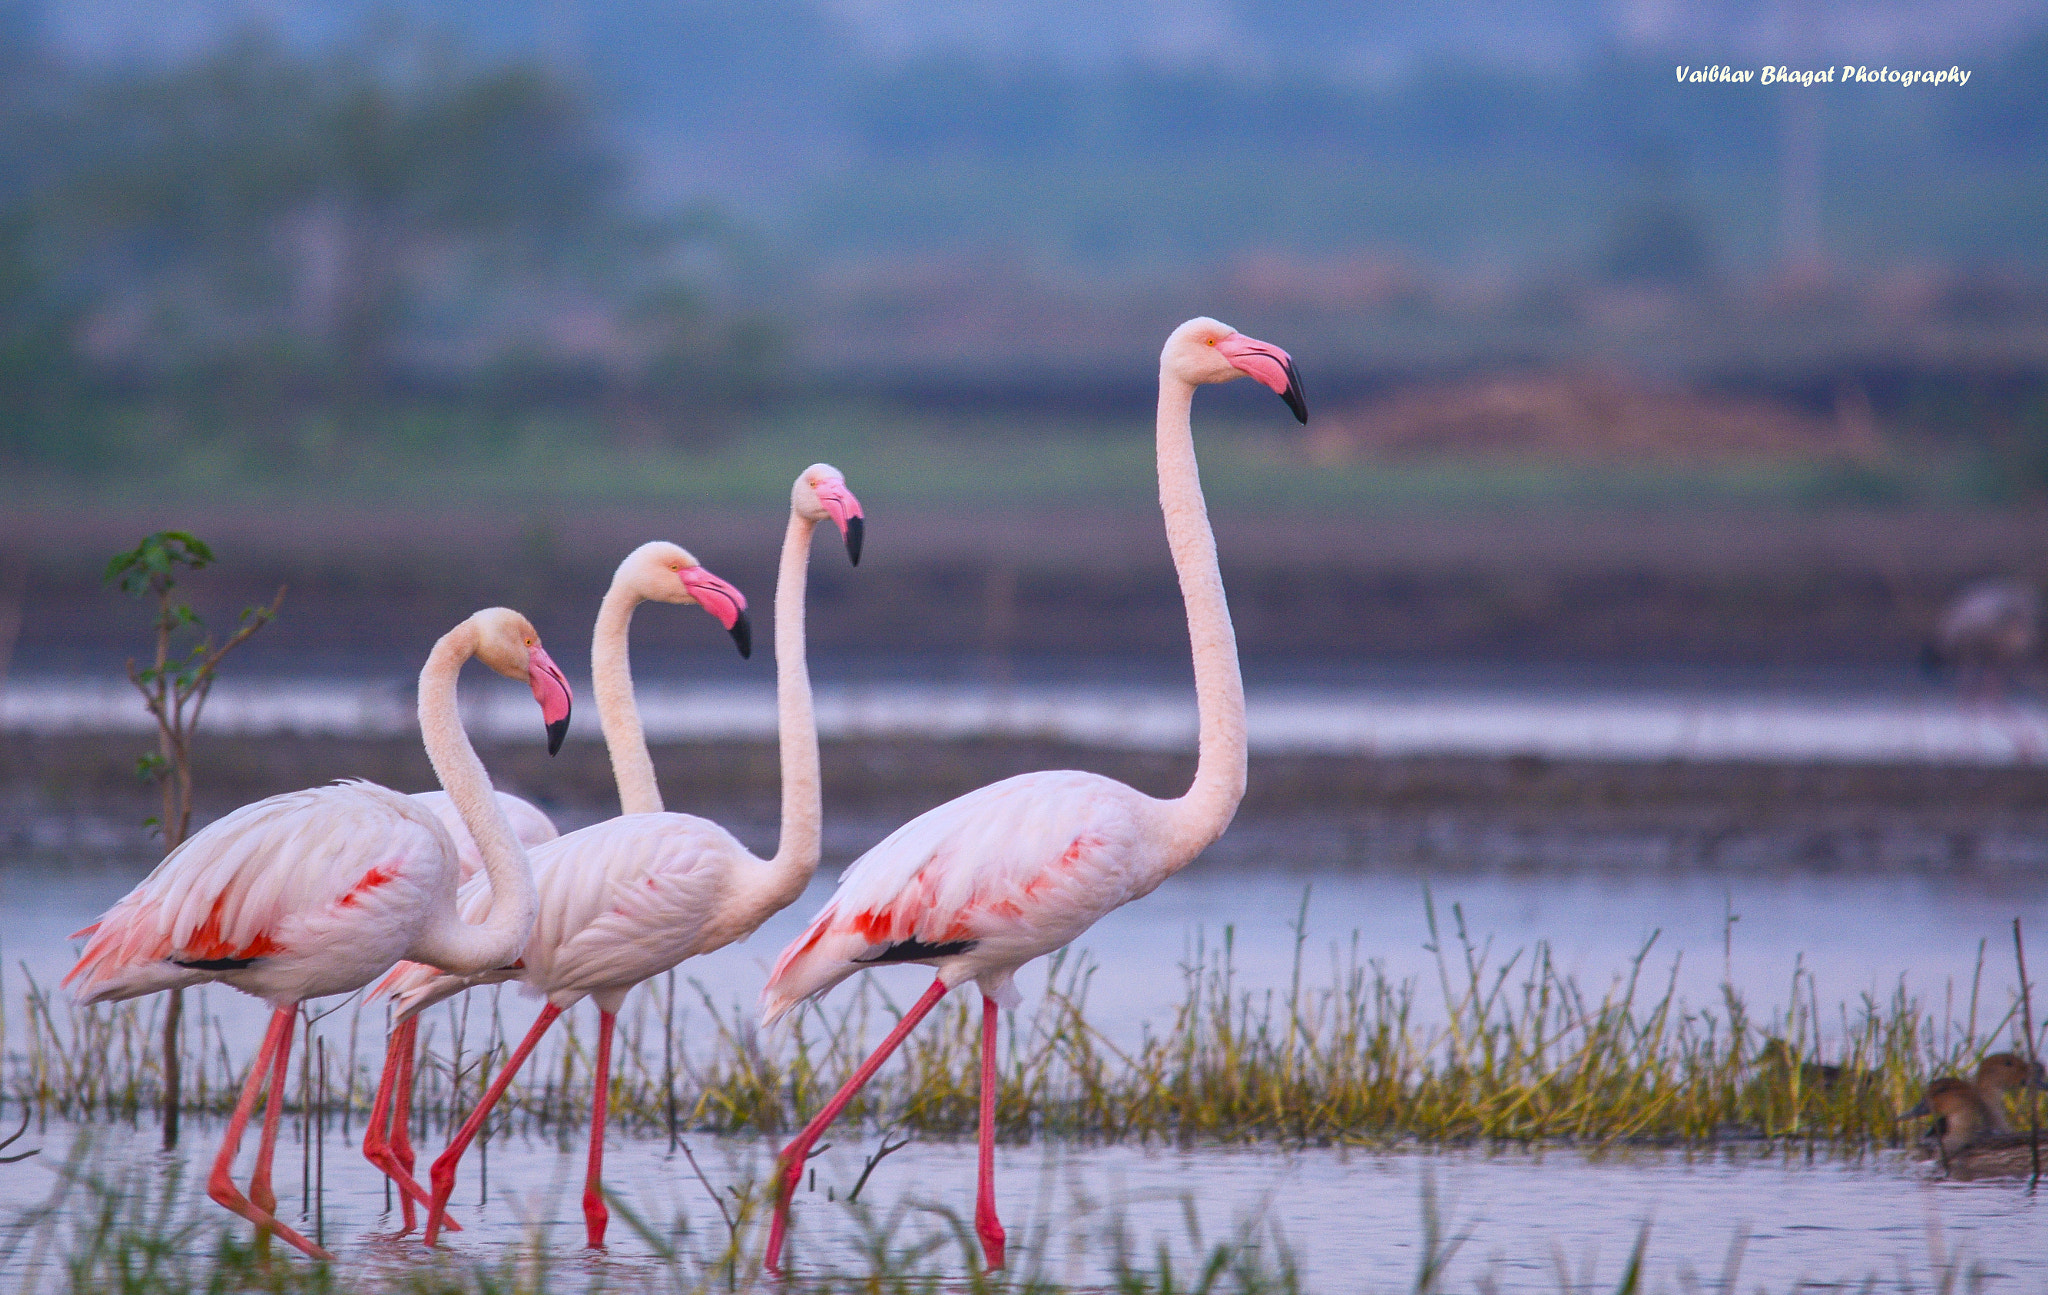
150,563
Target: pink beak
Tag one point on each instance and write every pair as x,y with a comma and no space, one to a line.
1270,365
728,604
844,509
551,690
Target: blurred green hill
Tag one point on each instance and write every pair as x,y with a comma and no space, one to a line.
333,246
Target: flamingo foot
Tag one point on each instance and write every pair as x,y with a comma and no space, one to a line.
993,1238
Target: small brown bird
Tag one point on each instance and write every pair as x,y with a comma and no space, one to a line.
1777,1058
2001,1073
1963,1136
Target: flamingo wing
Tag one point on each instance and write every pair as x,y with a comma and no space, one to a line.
249,885
1006,873
649,889
619,901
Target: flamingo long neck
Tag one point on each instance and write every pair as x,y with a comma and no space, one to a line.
448,942
611,676
1200,816
803,811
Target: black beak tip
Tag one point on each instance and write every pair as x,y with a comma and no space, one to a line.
743,634
556,732
1293,396
856,531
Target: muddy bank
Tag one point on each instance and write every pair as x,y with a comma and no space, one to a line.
371,589
80,794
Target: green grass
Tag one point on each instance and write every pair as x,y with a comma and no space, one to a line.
1518,1052
908,460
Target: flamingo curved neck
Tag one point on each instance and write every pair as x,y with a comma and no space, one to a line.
1200,816
448,942
618,714
797,849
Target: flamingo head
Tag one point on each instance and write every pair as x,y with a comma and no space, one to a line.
666,573
1203,351
821,493
508,643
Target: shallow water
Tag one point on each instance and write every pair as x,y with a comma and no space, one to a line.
1855,912
1351,1217
1853,935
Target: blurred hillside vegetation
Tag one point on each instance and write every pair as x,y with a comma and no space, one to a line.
649,249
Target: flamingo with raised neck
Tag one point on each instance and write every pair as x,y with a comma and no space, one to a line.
625,900
655,572
983,884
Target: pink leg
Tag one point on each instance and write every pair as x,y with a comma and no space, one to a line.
377,1136
401,1126
387,1143
443,1174
595,1215
220,1184
260,1193
789,1166
985,1221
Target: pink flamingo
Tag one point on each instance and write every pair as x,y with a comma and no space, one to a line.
625,900
983,884
656,572
528,823
318,892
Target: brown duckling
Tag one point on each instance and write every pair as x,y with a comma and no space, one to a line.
1968,1147
2001,1073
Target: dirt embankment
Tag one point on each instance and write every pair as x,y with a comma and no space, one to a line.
79,796
1535,583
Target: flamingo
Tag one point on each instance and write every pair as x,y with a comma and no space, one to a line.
318,892
527,821
985,883
657,572
626,900
1987,632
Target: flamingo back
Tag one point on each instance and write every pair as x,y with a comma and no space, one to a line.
980,885
620,901
350,866
529,825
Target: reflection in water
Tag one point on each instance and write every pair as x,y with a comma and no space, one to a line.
1352,1217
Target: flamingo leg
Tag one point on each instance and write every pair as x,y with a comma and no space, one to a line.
443,1175
377,1134
986,1223
220,1184
261,1194
790,1164
401,1126
387,1142
595,1215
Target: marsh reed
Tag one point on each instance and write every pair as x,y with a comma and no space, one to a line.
1509,1048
